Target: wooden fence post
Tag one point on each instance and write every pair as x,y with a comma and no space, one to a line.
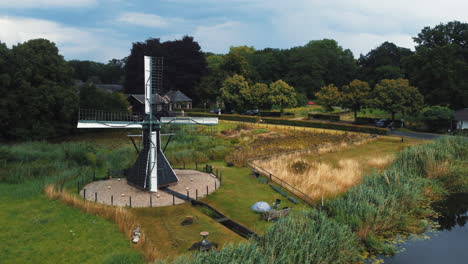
130,201
84,194
95,196
173,200
196,194
112,200
207,190
151,201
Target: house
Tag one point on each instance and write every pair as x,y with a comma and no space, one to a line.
461,118
178,100
137,102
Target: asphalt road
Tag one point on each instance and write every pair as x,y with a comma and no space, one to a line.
417,135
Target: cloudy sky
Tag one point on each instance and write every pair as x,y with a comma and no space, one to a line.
104,29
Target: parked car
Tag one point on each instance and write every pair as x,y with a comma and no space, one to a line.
251,112
383,123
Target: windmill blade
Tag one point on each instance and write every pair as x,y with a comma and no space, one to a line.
207,121
107,124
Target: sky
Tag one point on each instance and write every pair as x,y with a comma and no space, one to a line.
101,30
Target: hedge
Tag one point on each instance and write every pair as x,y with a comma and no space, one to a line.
299,123
325,117
270,114
365,120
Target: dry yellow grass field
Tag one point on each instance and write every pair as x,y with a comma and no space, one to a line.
334,168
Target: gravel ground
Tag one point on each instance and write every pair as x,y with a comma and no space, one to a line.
118,192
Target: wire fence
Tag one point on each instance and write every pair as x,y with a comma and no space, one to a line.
165,197
100,115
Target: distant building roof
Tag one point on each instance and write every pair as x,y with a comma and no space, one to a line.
157,99
461,115
177,96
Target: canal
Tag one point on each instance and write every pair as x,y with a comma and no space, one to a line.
448,244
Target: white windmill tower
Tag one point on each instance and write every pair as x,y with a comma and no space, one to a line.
151,169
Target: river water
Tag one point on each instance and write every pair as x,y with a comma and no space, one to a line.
447,244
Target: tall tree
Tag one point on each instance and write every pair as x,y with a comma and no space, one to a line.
440,66
355,95
231,92
184,65
397,96
329,96
282,94
383,62
319,63
39,98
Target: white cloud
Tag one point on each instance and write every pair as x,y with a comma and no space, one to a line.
218,38
148,20
45,3
74,43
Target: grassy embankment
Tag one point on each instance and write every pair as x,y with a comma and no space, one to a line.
34,229
32,166
394,200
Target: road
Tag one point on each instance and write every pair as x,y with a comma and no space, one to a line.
417,135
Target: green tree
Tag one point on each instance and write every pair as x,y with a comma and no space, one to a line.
383,62
440,65
256,96
92,97
230,92
319,63
39,99
329,96
282,94
235,63
437,117
397,96
355,95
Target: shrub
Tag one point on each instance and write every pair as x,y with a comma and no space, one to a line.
270,114
325,117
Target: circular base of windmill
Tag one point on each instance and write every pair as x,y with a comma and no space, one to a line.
117,192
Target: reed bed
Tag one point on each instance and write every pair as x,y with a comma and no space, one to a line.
321,179
252,146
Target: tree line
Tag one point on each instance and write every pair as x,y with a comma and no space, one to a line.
40,98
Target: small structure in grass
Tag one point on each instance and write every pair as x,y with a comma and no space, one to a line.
204,245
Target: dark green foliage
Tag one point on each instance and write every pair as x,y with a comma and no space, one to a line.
93,98
270,114
184,65
325,117
110,73
437,117
38,97
383,62
439,68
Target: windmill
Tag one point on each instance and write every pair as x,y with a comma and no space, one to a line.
151,170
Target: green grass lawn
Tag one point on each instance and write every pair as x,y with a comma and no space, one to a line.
163,227
37,230
238,192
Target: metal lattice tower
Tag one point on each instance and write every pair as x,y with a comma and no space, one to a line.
157,65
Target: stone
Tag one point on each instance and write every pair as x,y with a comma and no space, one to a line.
187,221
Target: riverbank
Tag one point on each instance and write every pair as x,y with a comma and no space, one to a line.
366,217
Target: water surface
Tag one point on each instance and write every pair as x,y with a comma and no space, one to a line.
448,244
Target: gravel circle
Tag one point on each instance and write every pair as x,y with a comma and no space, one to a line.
117,192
